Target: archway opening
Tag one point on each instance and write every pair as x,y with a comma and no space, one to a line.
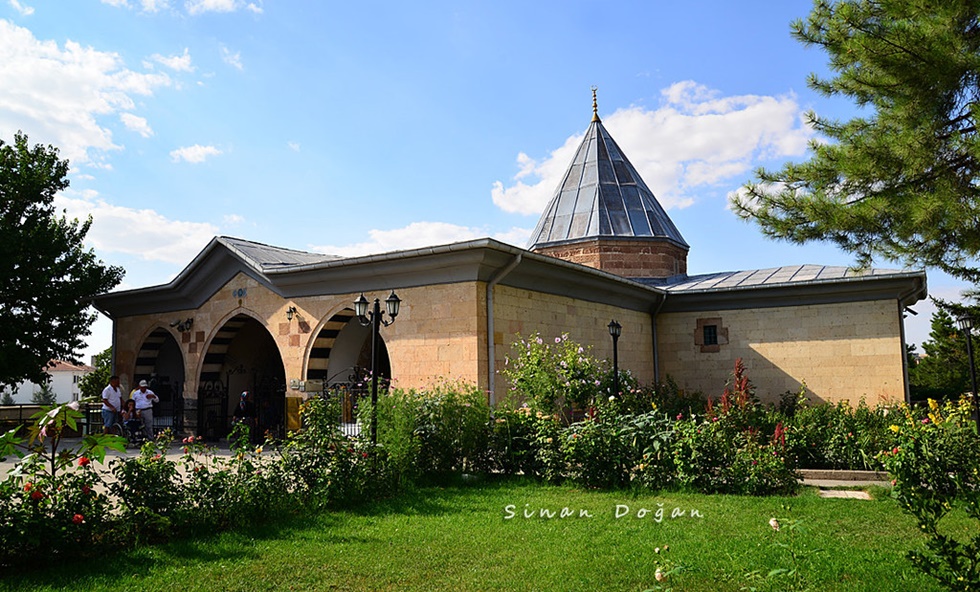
161,363
341,359
242,358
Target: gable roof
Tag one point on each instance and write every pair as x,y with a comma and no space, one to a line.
602,196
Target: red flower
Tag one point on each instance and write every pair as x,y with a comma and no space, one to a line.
364,454
84,461
37,495
86,489
78,519
28,485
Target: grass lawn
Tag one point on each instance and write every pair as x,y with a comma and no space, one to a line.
458,538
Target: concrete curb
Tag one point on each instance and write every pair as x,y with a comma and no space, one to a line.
844,476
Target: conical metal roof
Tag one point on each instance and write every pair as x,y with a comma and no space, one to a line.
602,196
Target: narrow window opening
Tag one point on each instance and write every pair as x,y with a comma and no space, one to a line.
711,335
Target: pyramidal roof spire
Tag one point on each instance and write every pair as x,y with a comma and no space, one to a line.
602,197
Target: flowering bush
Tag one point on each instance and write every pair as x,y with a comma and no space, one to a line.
734,448
553,376
836,436
936,470
51,504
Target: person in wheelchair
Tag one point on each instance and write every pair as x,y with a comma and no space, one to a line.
133,423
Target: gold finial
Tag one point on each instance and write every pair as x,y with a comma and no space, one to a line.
595,105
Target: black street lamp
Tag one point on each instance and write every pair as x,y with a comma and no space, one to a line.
374,319
966,325
615,329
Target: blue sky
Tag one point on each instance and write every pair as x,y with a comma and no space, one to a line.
359,127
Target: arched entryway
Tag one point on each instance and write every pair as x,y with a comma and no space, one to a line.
161,363
341,353
242,357
341,359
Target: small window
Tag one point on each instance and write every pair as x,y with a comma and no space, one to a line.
711,335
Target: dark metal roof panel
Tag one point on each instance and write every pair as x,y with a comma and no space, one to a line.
602,196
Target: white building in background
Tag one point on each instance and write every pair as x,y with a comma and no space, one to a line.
64,383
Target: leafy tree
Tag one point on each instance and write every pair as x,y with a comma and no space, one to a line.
91,384
47,277
44,396
7,398
898,182
944,371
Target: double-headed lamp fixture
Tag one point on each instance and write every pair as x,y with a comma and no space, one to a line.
392,304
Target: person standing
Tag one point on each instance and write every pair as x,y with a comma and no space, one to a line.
145,398
245,413
111,403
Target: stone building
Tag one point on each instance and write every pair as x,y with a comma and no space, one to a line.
280,323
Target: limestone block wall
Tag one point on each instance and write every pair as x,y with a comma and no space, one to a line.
842,351
523,312
440,334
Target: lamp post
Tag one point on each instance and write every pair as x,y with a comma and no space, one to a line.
966,325
373,318
615,329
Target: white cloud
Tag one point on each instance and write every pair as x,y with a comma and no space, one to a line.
23,10
61,93
195,7
136,124
180,63
153,5
146,5
233,219
695,139
161,239
232,59
294,146
194,154
420,234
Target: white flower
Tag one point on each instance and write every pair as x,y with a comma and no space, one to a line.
612,398
73,405
659,575
774,524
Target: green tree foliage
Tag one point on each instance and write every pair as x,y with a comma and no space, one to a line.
944,371
44,396
47,276
91,384
900,181
7,398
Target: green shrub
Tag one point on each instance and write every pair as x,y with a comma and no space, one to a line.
552,377
936,470
836,436
433,432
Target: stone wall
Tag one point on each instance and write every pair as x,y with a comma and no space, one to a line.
842,351
523,312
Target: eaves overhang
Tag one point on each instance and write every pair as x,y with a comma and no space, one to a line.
475,260
906,287
211,269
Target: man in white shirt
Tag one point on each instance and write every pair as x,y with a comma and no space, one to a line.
111,403
145,398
